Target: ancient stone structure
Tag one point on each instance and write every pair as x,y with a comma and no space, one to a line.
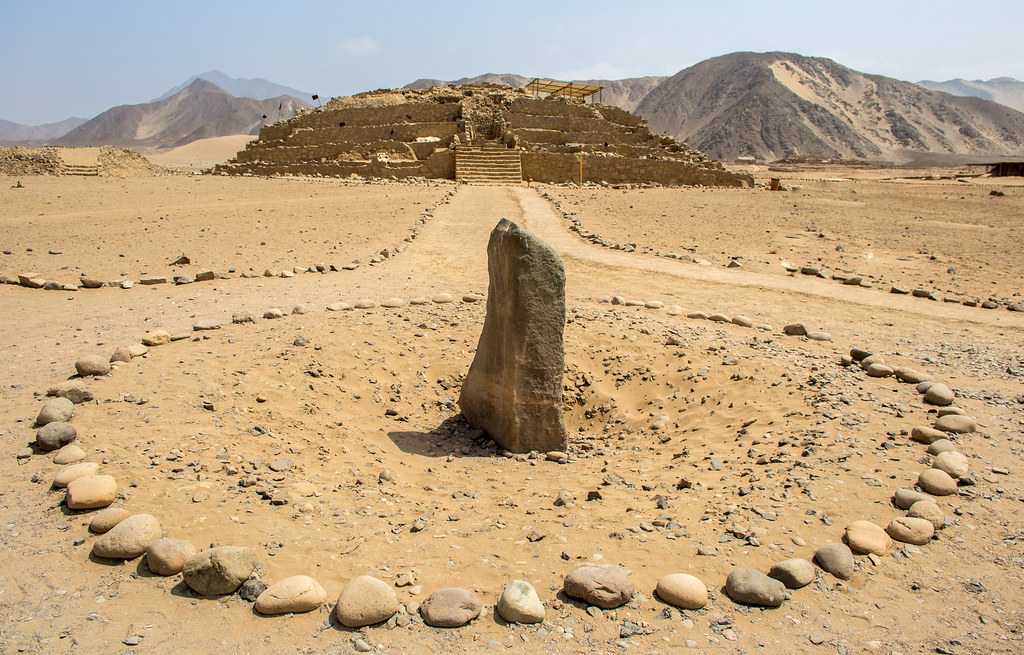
514,386
475,133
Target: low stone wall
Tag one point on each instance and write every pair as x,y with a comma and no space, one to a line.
410,112
558,137
441,165
619,116
390,132
545,107
560,168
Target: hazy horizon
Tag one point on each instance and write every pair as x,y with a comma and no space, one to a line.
73,59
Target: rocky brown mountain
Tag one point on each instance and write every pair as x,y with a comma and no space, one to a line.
200,110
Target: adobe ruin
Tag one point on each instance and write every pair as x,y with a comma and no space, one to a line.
475,133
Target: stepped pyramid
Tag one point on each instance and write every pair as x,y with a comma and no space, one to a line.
475,133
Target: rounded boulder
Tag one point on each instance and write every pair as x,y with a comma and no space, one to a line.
219,570
682,590
450,608
92,365
58,410
837,559
168,556
953,463
865,537
794,573
519,603
297,594
936,482
91,492
365,600
129,538
605,586
911,530
55,435
750,587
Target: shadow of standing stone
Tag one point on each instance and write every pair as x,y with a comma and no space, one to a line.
514,386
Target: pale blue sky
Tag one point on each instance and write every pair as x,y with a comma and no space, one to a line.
73,58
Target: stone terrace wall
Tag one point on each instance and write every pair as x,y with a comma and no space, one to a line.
555,168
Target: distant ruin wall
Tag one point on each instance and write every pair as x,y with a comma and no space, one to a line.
440,165
556,168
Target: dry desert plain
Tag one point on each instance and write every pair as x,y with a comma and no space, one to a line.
329,441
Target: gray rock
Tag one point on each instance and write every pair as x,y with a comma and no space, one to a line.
953,463
835,558
121,355
251,589
936,482
819,335
911,530
297,594
365,600
206,324
930,511
129,538
451,607
219,570
795,330
794,573
904,497
73,390
519,603
605,586
58,410
925,434
751,587
92,365
876,370
909,375
514,386
939,394
956,424
168,556
54,435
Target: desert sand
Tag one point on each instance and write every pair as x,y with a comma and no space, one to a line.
321,439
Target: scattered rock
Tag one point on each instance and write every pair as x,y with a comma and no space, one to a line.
795,330
92,365
451,607
835,558
606,586
219,570
911,530
91,492
58,410
682,590
205,324
519,603
443,298
794,573
751,587
865,537
129,538
168,556
54,435
365,600
299,593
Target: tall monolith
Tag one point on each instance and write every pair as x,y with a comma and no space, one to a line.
514,386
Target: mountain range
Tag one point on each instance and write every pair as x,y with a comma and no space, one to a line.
1004,90
200,110
763,105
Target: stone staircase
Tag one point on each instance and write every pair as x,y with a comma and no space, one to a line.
91,170
490,162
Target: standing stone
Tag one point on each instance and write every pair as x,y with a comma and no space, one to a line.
219,570
514,387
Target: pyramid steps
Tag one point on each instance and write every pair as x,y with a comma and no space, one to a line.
87,170
488,163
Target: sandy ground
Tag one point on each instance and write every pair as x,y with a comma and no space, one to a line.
781,446
199,155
